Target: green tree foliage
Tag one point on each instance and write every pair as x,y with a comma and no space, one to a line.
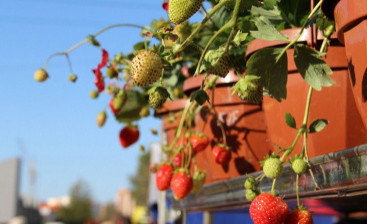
79,209
140,181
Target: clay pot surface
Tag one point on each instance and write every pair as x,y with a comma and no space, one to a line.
336,104
244,126
351,26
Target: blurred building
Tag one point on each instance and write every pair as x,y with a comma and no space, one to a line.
125,203
13,207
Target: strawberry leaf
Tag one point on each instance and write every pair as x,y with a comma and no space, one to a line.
289,119
130,111
239,38
273,14
317,125
273,71
266,30
200,97
313,69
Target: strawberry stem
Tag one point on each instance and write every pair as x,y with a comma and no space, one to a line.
86,40
198,28
230,24
69,63
273,186
297,190
313,12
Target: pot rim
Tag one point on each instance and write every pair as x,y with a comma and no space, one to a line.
171,106
194,83
328,6
348,13
307,36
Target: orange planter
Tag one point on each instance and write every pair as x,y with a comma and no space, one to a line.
336,104
245,130
171,114
351,25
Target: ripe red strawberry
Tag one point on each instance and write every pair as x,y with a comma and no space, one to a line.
268,209
199,142
222,154
163,177
128,136
299,216
178,160
181,184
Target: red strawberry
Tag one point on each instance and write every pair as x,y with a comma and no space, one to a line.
178,160
114,111
222,154
199,142
128,136
299,216
163,177
181,184
165,6
268,209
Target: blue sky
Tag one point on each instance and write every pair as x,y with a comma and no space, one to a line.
55,121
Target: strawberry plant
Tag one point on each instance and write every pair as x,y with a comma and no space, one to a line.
151,75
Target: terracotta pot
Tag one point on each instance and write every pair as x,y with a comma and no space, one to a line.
171,114
351,26
336,104
244,126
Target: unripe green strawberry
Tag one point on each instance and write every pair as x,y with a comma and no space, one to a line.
141,148
40,75
146,68
111,89
181,10
250,183
119,100
72,78
250,194
219,68
183,31
249,89
93,94
299,166
101,118
198,179
144,112
272,167
178,92
157,97
112,72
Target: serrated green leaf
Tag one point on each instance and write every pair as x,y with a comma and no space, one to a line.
130,111
313,69
266,30
269,4
200,96
289,119
221,17
239,38
317,125
140,46
272,14
273,72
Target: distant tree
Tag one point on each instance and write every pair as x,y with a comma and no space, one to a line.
140,181
80,208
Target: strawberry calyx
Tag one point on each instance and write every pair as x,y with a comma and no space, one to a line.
226,147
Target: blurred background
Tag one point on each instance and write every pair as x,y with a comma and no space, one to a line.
54,159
